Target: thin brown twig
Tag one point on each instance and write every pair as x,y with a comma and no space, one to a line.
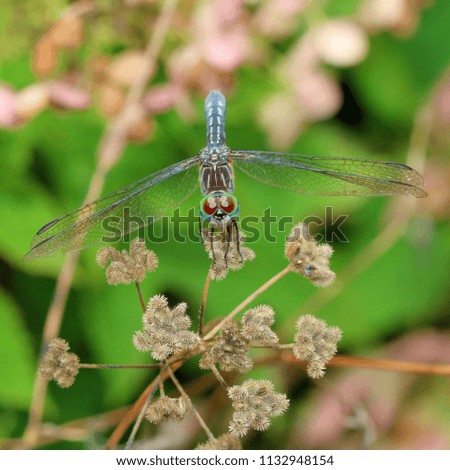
134,410
248,300
73,430
218,376
110,148
141,298
197,414
375,363
119,366
201,315
137,423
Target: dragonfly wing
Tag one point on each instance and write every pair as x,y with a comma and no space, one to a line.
123,211
333,176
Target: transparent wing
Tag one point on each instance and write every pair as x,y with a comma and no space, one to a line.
134,206
332,176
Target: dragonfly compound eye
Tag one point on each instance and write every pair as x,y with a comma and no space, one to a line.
210,205
228,204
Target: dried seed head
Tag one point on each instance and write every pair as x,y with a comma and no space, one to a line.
58,364
127,267
254,403
256,323
229,350
165,408
316,343
308,258
165,331
224,442
225,252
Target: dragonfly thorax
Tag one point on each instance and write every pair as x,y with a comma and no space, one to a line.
215,155
216,172
219,209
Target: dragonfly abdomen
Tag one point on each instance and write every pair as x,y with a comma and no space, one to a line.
215,111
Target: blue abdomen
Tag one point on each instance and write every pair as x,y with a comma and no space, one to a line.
215,111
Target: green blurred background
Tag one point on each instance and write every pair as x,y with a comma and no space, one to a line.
48,157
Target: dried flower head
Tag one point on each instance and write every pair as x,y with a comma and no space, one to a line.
229,350
225,252
316,343
127,267
224,442
308,258
58,364
165,408
165,331
256,323
254,403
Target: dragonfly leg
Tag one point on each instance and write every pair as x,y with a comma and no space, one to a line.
200,231
238,241
229,236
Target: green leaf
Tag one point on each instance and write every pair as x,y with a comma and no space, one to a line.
385,85
17,361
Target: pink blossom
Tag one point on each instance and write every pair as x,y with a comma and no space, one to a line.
8,107
68,96
277,18
282,119
381,14
318,94
32,99
226,51
161,98
302,58
341,42
227,12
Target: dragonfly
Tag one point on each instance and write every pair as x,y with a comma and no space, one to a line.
212,169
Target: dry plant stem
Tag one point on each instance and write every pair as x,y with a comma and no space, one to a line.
54,319
116,135
134,410
140,417
141,298
201,315
248,300
78,430
218,376
197,414
370,363
119,366
110,148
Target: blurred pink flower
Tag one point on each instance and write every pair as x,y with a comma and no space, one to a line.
277,18
226,51
220,44
441,103
222,34
327,421
318,94
341,42
32,99
282,119
227,12
380,392
161,98
8,107
381,14
302,58
69,96
124,66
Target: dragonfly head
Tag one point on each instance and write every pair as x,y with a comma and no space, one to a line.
219,208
